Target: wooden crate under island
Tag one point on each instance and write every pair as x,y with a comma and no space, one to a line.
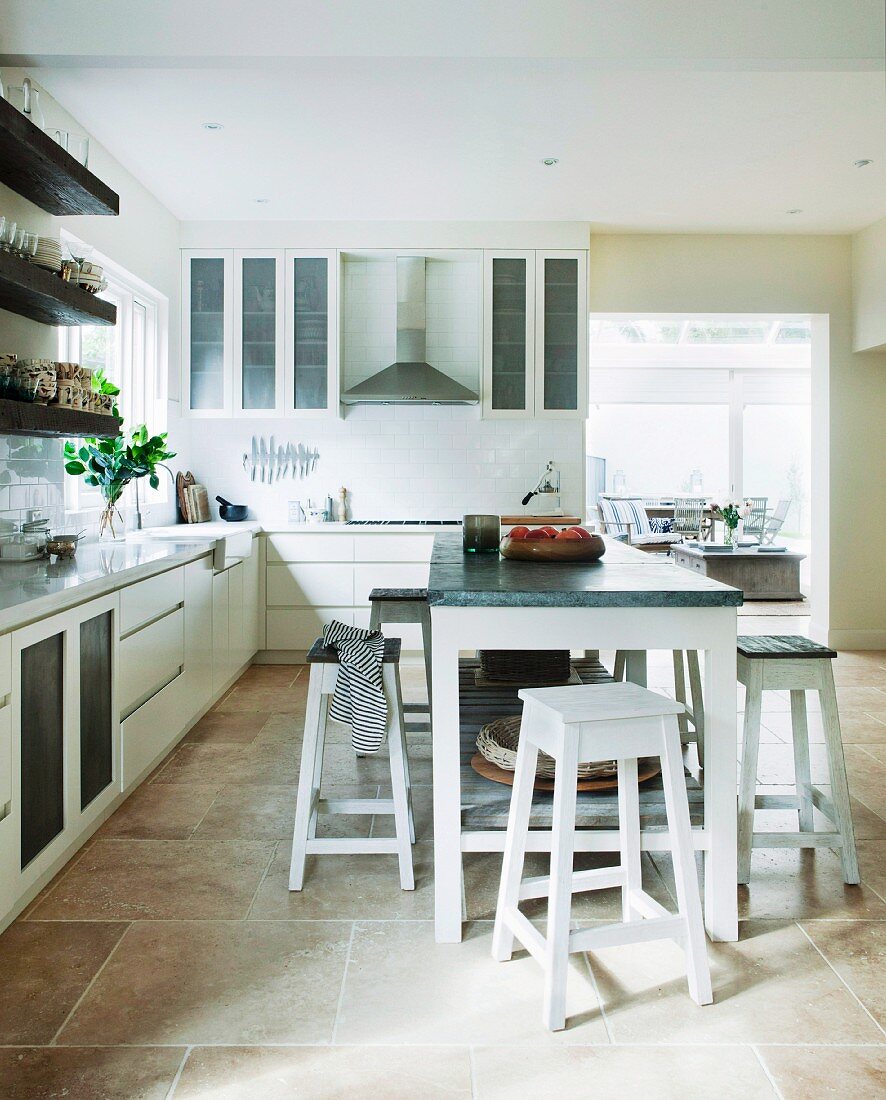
766,576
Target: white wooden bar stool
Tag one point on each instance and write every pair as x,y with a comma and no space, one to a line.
406,605
797,665
324,675
690,695
598,722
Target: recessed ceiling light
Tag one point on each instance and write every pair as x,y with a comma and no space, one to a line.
213,126
262,202
549,162
795,211
863,163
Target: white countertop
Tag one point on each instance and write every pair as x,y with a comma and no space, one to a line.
33,590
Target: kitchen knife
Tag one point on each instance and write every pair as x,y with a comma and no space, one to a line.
302,460
264,457
281,459
272,460
254,458
286,459
315,454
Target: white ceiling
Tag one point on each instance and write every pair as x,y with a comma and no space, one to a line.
703,116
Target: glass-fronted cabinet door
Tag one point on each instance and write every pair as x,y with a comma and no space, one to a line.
561,341
258,333
207,327
508,336
311,386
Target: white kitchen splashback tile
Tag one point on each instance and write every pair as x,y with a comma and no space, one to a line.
426,462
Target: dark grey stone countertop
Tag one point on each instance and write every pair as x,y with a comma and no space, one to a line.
624,577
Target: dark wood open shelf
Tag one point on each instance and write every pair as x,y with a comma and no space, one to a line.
37,167
42,296
56,421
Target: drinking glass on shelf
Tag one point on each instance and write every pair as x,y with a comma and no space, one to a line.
21,242
7,239
31,246
78,147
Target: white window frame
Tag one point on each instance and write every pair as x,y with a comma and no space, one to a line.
142,400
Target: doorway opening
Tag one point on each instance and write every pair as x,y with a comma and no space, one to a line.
685,407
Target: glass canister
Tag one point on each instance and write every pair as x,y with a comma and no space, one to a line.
480,534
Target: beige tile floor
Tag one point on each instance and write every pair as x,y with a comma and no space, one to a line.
170,959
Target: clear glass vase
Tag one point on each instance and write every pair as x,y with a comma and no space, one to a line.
729,537
110,523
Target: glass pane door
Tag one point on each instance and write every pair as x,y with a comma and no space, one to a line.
777,465
259,332
310,322
207,350
560,348
509,351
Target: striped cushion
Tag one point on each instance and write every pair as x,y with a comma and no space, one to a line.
617,514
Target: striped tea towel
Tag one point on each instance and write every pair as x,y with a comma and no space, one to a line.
359,699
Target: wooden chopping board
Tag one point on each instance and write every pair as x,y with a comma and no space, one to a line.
542,521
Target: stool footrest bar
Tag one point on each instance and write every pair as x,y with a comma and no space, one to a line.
798,840
613,935
355,805
354,846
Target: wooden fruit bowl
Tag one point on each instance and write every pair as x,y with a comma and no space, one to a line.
553,550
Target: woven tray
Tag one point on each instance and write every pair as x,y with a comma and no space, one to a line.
647,768
498,741
535,667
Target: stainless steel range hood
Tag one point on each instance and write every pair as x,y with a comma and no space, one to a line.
410,380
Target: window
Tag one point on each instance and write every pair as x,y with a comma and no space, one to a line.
130,354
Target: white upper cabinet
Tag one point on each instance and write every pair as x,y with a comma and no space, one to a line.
535,346
311,386
207,331
258,333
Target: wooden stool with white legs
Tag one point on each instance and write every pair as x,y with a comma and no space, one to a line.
406,605
324,675
691,722
622,722
795,664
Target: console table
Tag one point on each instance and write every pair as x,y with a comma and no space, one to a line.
759,576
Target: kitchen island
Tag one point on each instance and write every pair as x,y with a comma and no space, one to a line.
628,601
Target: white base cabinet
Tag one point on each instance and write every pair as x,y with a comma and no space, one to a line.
92,698
312,579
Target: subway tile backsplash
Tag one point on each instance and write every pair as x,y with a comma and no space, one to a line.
396,461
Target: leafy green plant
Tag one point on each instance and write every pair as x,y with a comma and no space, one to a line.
110,464
102,384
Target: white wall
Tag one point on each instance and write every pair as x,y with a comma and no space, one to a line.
144,240
790,274
869,288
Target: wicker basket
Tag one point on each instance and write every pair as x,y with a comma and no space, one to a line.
498,740
527,667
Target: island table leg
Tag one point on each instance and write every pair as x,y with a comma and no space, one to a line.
447,776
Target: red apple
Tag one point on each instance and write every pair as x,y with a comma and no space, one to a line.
581,532
551,532
571,533
536,533
518,533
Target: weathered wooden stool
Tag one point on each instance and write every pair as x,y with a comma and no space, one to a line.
324,675
406,605
691,697
598,722
795,664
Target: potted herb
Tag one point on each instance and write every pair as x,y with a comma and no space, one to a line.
110,465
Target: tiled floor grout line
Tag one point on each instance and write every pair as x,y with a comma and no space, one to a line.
178,1073
54,1041
852,992
765,1069
344,978
458,1044
472,1069
261,881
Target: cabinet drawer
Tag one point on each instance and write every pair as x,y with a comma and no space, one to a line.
150,658
5,665
146,600
150,731
406,575
393,547
300,629
310,548
5,760
310,585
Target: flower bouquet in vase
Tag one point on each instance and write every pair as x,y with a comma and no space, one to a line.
733,513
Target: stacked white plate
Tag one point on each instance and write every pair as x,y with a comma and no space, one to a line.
49,253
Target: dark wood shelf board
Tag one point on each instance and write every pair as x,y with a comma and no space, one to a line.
37,167
39,294
53,421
